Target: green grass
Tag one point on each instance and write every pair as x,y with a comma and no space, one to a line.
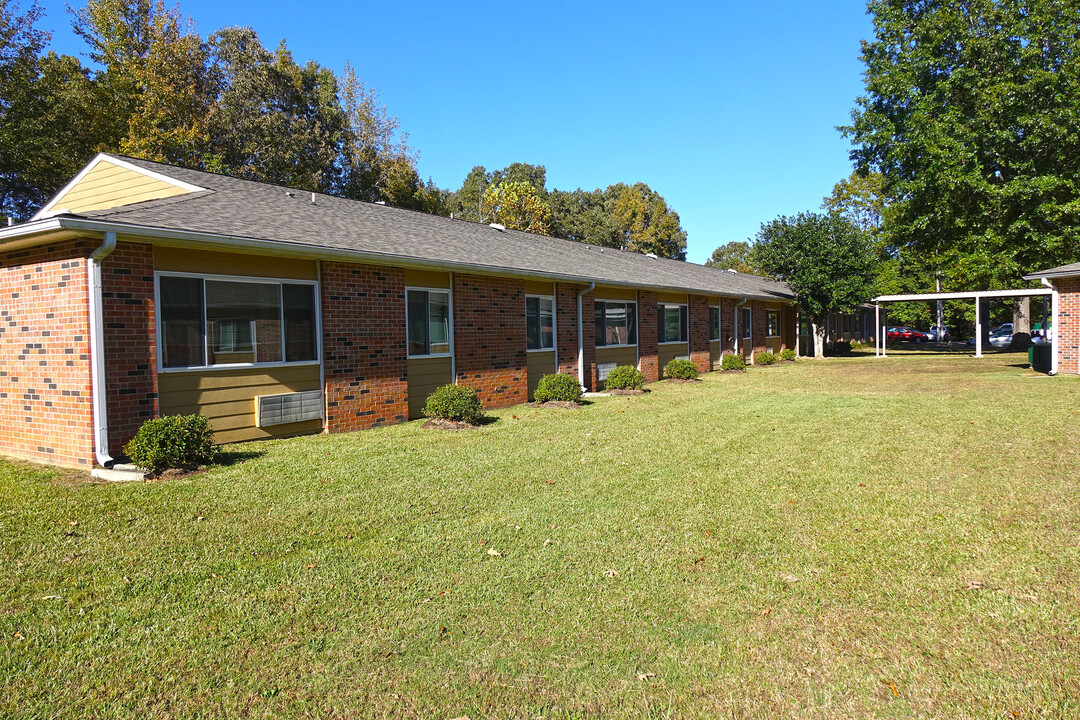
842,538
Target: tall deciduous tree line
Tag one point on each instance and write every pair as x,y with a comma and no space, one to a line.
228,104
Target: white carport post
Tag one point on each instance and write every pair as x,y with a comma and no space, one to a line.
978,328
877,335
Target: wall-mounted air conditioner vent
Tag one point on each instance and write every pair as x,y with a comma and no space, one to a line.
602,370
288,408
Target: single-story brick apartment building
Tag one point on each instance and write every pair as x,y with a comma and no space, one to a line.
1064,281
143,289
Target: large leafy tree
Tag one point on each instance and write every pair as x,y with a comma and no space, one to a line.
970,117
734,255
646,223
825,259
518,205
583,215
274,120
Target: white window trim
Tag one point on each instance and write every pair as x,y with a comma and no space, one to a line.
554,324
450,322
159,337
674,342
637,322
778,328
719,322
747,328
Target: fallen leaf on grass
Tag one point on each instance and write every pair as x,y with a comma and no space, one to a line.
646,676
895,692
975,585
494,553
789,578
18,636
611,573
766,611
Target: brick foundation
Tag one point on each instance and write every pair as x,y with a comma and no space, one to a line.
45,393
127,303
364,348
489,338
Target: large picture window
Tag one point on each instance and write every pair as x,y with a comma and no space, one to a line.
429,322
616,323
211,321
714,322
772,323
539,322
672,323
746,320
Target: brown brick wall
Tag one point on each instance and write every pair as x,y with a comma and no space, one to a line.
489,338
758,326
1067,327
727,325
698,321
45,398
127,301
364,347
566,325
648,359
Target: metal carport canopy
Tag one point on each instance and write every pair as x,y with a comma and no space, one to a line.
977,295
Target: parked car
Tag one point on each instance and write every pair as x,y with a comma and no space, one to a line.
1002,328
938,333
905,334
1002,337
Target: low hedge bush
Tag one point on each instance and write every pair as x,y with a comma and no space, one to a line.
787,355
765,358
681,370
173,441
455,402
624,377
733,362
560,388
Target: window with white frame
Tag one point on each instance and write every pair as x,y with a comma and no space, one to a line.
428,320
672,321
213,321
772,323
714,322
539,322
616,323
746,320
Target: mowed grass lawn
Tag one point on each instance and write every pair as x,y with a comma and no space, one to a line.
841,538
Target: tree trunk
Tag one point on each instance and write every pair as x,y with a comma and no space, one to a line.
819,339
1022,322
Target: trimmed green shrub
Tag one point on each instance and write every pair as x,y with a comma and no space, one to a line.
624,377
787,355
733,362
560,387
681,370
765,358
172,441
455,402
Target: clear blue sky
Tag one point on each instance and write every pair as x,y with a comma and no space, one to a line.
727,109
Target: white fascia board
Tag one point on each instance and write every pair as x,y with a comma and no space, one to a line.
105,157
963,295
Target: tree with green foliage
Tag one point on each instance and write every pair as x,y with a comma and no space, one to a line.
646,223
970,117
518,205
583,215
274,120
825,259
734,255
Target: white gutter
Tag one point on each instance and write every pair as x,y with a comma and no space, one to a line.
735,345
581,338
97,351
1054,296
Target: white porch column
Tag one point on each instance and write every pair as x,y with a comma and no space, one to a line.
978,328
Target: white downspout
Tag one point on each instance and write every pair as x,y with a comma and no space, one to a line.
450,330
97,351
735,344
1054,295
581,338
877,331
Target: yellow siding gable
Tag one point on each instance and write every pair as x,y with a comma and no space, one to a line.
108,185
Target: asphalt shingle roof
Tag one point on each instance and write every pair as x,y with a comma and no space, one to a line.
1063,270
244,208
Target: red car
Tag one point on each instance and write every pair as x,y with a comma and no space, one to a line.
905,334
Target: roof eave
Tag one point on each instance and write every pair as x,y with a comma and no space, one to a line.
29,234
